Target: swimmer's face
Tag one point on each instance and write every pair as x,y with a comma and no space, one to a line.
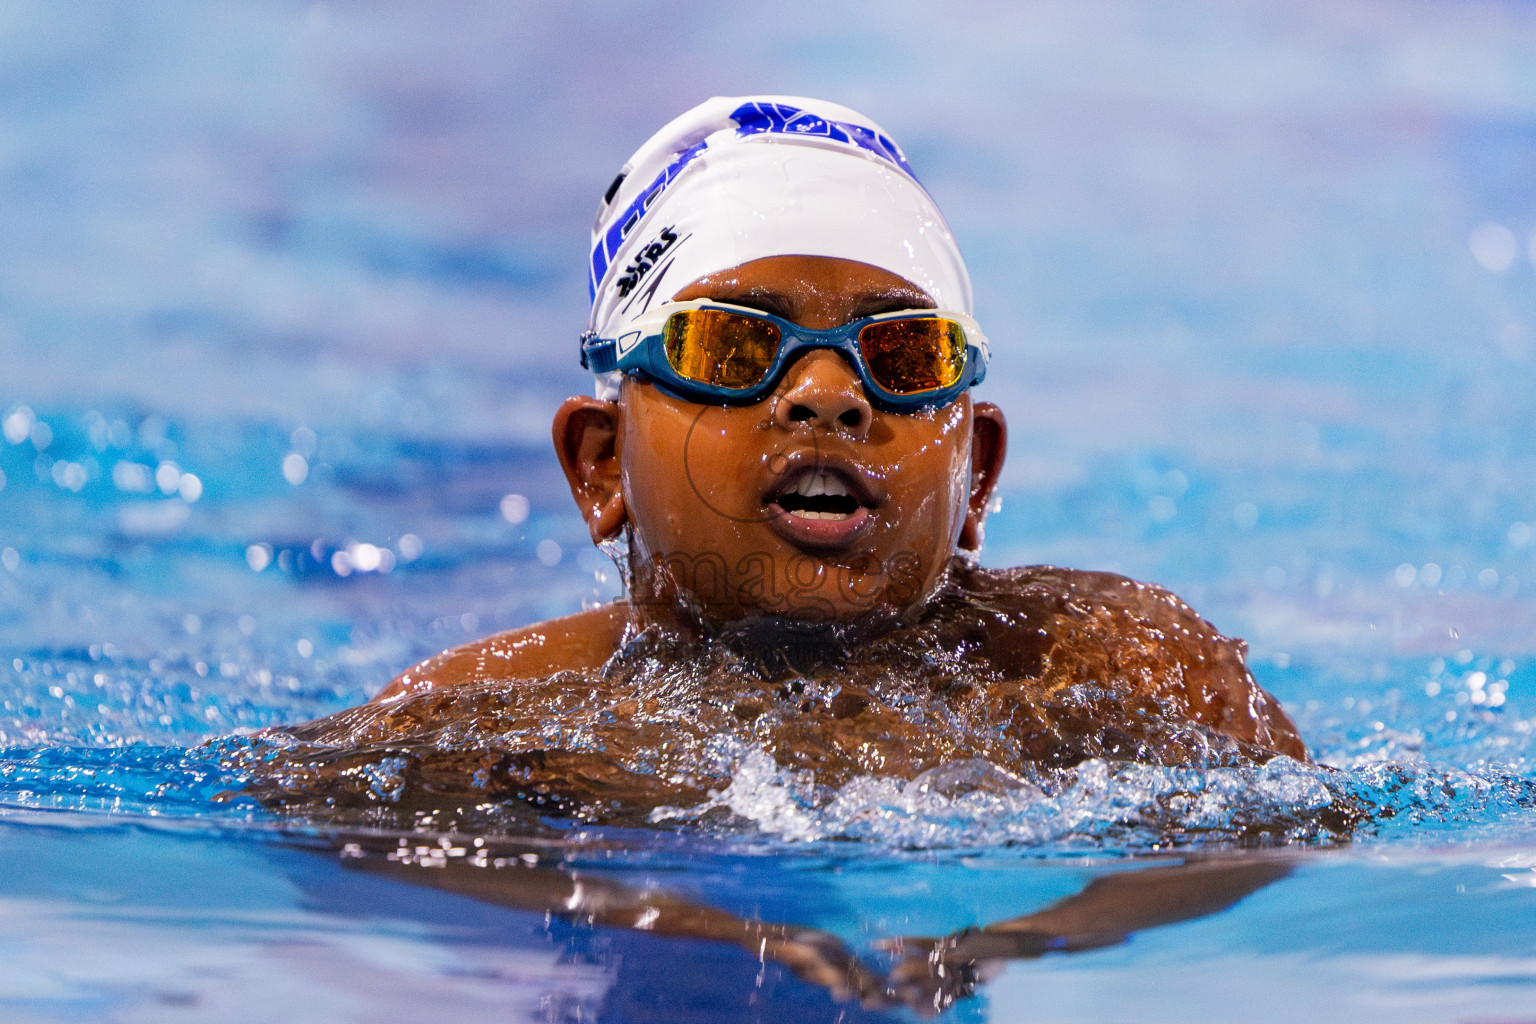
811,504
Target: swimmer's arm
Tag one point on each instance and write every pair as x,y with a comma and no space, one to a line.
815,956
575,642
1113,906
1106,912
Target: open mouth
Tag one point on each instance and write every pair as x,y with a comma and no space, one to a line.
821,506
819,494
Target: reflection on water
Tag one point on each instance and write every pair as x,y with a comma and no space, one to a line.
131,916
926,973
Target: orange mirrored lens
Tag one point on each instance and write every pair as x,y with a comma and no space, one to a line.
713,346
907,357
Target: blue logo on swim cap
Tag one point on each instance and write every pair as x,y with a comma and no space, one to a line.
608,245
782,119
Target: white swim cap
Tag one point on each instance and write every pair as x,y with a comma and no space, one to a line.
739,179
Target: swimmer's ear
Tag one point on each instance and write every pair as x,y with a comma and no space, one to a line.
989,446
586,432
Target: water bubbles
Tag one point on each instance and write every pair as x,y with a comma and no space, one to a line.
192,624
152,518
1430,575
17,426
70,476
11,559
133,477
1493,246
302,442
1405,574
295,468
548,552
97,430
1519,535
1488,579
305,648
41,435
514,508
2,479
258,556
409,546
1478,688
362,557
366,557
167,477
371,558
1162,508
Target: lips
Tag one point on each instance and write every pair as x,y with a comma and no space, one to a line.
823,504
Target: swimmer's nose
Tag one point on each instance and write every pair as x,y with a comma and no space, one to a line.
822,389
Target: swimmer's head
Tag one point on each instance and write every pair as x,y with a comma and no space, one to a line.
739,179
828,497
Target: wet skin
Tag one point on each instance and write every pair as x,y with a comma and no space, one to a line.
701,486
717,550
952,665
697,487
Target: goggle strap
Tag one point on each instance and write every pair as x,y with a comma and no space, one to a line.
600,355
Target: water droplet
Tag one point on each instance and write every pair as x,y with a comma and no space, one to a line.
514,508
295,468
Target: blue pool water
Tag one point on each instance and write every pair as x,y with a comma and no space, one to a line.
289,292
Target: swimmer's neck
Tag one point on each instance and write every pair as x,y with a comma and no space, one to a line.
763,628
653,605
587,640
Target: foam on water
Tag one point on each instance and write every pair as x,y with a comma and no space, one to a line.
1128,808
1097,806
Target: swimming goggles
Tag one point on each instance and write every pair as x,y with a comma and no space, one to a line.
716,353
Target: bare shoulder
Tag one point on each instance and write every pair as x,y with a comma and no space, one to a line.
582,641
1099,627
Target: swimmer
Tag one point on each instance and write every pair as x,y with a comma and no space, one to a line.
784,452
784,455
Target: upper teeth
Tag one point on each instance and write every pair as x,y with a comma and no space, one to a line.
812,484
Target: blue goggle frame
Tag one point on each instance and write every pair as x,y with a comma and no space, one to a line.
641,350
